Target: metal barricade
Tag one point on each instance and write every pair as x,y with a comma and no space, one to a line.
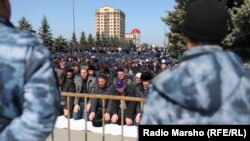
98,96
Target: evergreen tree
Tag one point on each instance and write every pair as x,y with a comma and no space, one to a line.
23,24
83,42
45,34
238,38
98,40
60,44
174,19
128,44
145,45
114,42
239,29
91,41
74,45
104,40
131,44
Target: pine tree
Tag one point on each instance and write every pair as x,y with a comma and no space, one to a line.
111,41
174,19
238,38
45,34
104,40
131,44
23,24
74,45
83,42
91,41
145,45
239,29
60,44
98,40
114,42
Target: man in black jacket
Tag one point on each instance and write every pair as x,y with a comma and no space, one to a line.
69,86
96,104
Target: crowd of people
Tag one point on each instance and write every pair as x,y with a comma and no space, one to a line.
108,72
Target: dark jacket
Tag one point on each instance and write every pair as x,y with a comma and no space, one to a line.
91,82
96,104
155,70
68,86
129,91
141,93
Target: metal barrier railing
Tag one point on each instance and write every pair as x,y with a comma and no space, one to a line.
103,97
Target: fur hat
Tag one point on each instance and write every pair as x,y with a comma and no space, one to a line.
146,76
120,69
91,67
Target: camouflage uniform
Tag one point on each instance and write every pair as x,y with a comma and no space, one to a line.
209,86
29,96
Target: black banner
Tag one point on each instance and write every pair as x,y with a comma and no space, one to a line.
203,132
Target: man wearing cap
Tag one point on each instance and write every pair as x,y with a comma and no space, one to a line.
147,65
164,66
137,79
209,86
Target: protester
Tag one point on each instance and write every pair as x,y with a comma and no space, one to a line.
68,86
96,104
123,87
142,91
84,84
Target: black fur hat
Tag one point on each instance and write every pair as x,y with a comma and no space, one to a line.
91,67
146,76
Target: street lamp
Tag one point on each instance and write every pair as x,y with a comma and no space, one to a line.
74,25
164,35
74,15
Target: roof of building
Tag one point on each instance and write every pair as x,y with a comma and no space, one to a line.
136,31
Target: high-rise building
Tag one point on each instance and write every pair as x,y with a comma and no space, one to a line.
110,22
